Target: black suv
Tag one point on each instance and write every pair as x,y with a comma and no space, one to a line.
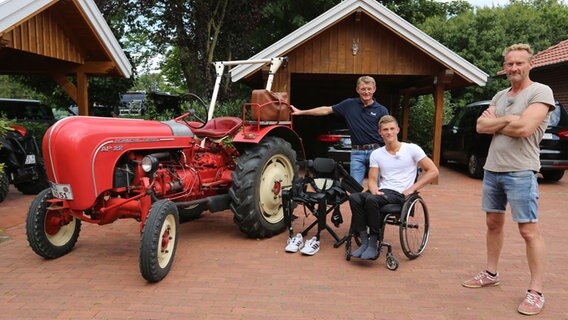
462,144
26,110
338,144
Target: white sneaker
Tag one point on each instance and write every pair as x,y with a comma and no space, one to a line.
294,244
311,247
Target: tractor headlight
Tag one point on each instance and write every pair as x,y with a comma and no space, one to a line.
149,164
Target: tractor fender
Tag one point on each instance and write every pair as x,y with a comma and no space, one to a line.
251,135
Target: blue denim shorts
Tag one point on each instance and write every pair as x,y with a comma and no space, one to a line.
519,189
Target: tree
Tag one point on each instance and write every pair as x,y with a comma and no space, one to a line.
190,34
10,87
480,36
417,11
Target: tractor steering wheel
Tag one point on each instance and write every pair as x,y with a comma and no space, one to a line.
193,124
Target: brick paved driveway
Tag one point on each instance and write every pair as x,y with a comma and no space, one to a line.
219,274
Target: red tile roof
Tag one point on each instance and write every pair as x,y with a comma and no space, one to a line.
555,54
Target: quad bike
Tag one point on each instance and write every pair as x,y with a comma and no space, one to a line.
23,163
161,172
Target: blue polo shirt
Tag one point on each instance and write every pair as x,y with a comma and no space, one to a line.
362,121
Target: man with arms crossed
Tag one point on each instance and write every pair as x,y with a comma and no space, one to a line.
517,117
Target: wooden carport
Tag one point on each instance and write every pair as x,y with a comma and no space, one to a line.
63,39
362,37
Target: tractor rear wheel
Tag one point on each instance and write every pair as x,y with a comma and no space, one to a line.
51,233
256,194
159,240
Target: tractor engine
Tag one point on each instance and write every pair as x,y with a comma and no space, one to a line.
172,178
182,175
168,173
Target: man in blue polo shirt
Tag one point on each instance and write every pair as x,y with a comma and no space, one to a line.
362,115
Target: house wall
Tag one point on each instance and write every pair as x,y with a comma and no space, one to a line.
555,77
379,51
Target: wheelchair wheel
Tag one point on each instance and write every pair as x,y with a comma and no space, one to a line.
392,262
414,227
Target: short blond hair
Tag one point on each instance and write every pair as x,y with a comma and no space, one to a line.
366,80
387,119
519,47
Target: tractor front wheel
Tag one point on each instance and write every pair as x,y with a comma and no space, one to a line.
51,233
159,240
256,194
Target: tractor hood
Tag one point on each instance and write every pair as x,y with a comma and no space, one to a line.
82,151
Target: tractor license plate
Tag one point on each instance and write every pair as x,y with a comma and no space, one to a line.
62,191
30,159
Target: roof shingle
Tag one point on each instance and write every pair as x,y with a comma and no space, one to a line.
554,54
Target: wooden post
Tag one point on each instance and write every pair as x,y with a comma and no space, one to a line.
405,116
82,94
78,93
438,118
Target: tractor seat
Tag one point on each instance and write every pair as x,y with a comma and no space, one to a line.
219,127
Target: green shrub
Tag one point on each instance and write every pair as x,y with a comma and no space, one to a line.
421,120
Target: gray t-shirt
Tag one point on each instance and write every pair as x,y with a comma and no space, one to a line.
508,154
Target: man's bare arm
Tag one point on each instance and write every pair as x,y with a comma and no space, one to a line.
489,123
528,122
319,111
373,180
430,172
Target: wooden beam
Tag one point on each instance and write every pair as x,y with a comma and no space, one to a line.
97,67
3,42
445,77
66,85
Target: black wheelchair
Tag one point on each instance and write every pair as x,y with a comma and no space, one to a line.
323,188
411,217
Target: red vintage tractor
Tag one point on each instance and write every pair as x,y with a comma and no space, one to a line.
161,172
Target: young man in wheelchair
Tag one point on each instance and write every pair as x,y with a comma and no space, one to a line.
392,177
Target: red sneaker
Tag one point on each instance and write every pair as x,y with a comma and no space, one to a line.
483,279
532,304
